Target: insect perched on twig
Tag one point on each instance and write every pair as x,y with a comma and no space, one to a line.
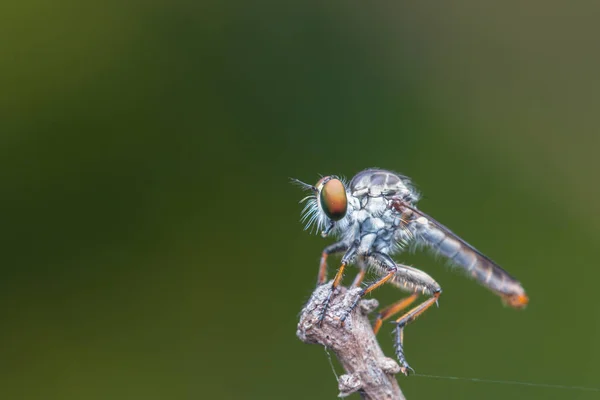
375,216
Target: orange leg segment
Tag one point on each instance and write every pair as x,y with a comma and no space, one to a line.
359,278
403,321
393,309
327,251
418,310
380,282
336,282
338,277
368,289
322,269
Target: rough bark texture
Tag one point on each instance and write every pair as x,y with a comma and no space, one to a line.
368,371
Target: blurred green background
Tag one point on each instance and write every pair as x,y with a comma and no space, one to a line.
151,243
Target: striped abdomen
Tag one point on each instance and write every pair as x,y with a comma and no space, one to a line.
445,242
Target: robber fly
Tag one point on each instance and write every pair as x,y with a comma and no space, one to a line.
375,216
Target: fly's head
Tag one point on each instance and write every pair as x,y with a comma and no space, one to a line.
326,205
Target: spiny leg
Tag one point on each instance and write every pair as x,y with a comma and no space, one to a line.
336,282
418,282
390,266
399,350
404,320
338,279
393,309
411,315
327,251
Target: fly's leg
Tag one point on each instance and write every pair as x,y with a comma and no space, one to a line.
399,350
393,309
391,268
404,320
338,279
416,281
359,278
327,251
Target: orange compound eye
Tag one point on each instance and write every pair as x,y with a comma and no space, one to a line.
333,199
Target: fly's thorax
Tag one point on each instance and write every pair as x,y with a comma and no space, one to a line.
379,182
372,224
375,206
382,231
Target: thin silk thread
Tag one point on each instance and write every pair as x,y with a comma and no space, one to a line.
533,384
331,363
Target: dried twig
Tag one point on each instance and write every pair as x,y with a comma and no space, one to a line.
368,371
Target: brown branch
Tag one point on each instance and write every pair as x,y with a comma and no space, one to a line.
368,371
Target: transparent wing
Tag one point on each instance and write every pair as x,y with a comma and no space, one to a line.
443,241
